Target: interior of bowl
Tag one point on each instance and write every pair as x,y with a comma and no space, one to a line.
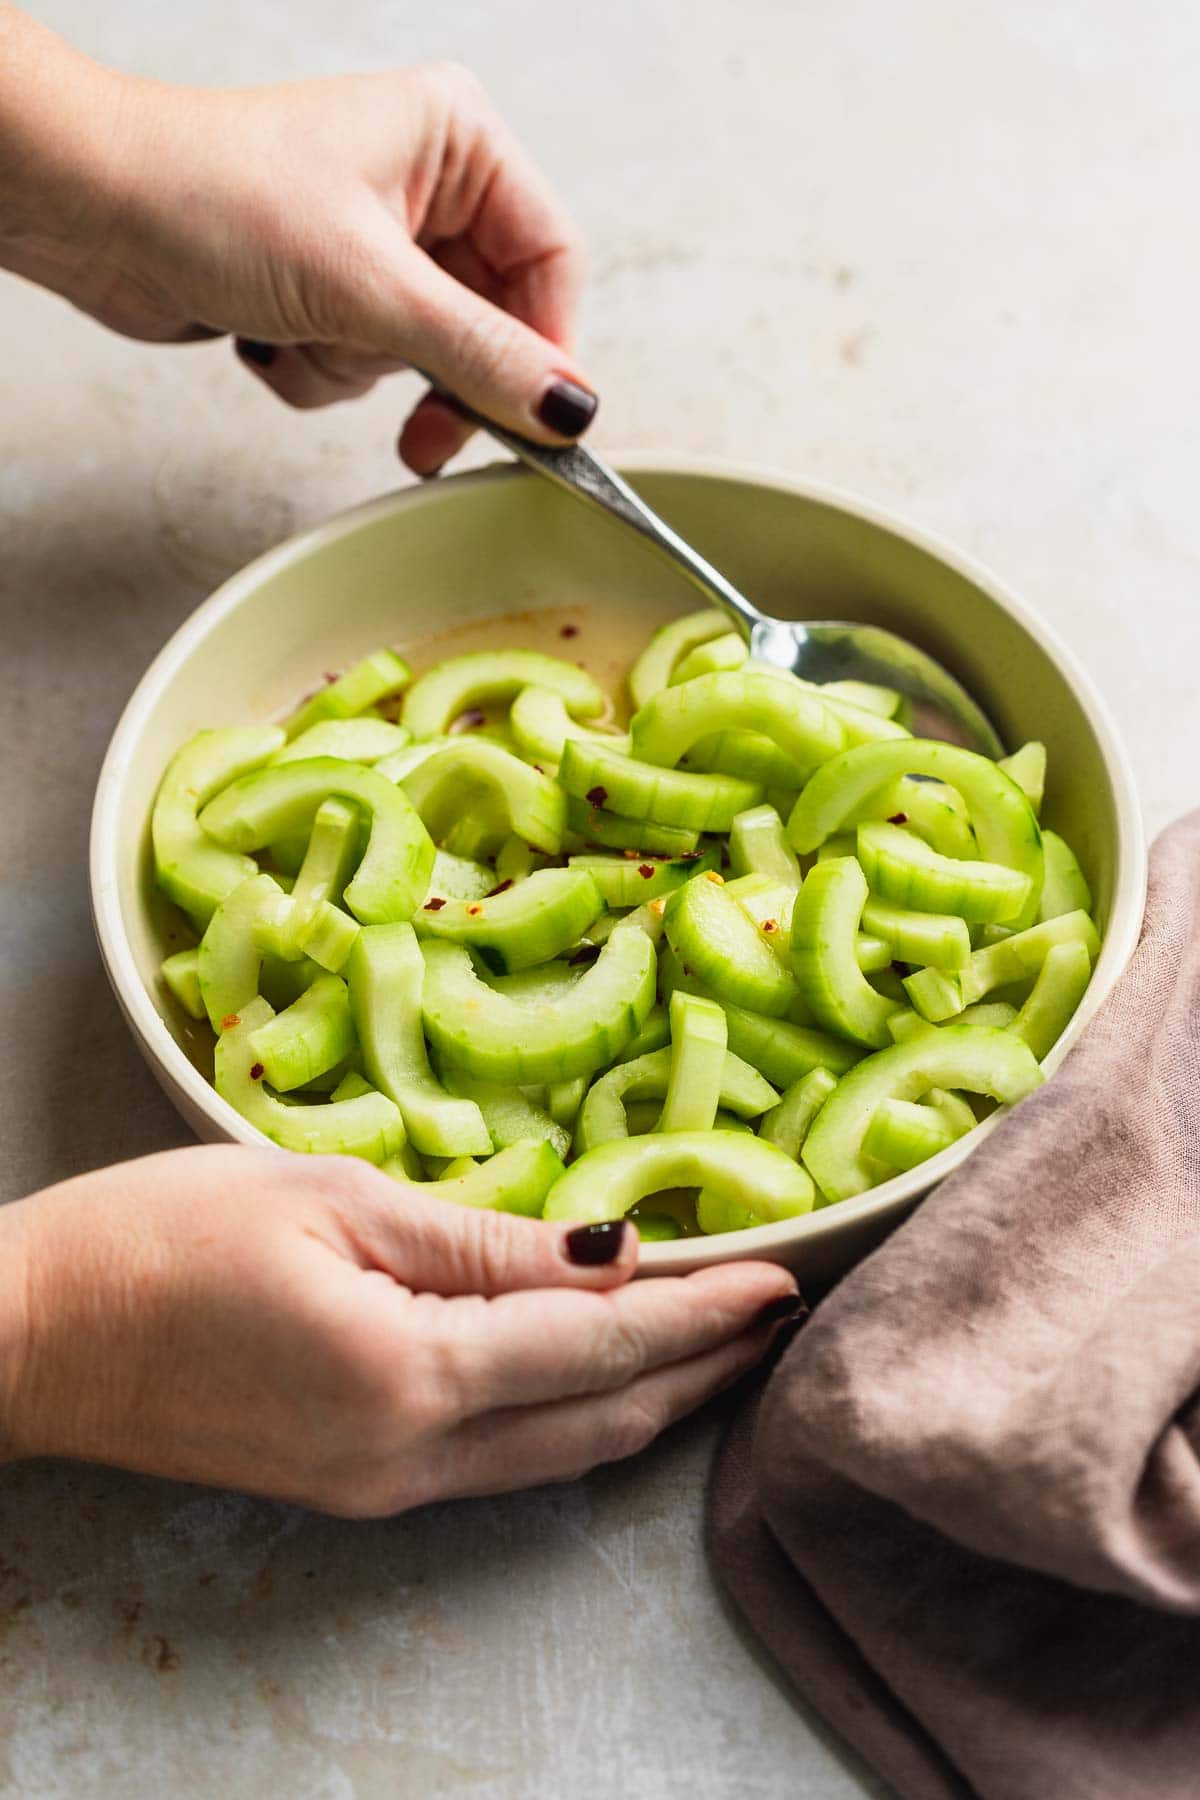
504,558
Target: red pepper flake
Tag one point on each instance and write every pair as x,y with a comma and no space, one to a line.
229,1021
568,631
597,796
898,819
256,1072
539,768
770,925
328,677
501,887
645,871
434,905
474,909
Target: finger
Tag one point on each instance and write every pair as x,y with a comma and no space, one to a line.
307,376
431,435
522,1349
489,358
434,1246
517,1449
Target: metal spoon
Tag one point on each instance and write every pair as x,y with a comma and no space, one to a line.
818,650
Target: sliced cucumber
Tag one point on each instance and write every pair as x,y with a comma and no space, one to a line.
758,846
769,905
788,1124
719,654
1061,984
1014,958
935,812
274,803
608,1181
608,1111
350,740
541,725
473,780
510,1116
640,790
938,940
190,869
564,1099
903,1134
526,925
625,881
903,869
515,1180
313,1035
544,985
333,851
484,677
369,1125
960,1056
699,1036
655,1034
1027,767
795,718
748,755
825,957
866,695
596,826
364,685
386,976
714,938
181,973
669,645
776,1048
493,1036
229,959
1065,888
460,878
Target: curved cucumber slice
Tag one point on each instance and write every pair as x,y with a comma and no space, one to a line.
719,654
190,869
1065,888
624,881
1004,823
386,975
1060,986
903,1134
314,1034
181,973
541,725
788,1124
229,959
758,846
605,1113
526,925
515,1180
655,1034
936,813
795,718
669,645
368,1125
937,940
274,803
716,939
825,955
903,869
493,1036
608,1181
381,673
510,1116
952,1109
333,850
776,1048
615,833
866,695
748,755
350,740
1027,767
483,677
1013,958
640,790
960,1056
699,1036
502,795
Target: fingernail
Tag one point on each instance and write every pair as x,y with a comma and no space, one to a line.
262,355
590,1245
567,408
781,1311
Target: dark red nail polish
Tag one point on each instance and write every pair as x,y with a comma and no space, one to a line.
782,1311
567,408
251,351
591,1245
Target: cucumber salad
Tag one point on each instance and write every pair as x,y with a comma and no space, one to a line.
753,955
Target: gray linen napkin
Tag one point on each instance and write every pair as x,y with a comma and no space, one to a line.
965,1513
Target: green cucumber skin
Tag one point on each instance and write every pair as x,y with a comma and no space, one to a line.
386,974
907,873
974,1057
623,881
313,1035
639,790
653,669
1013,958
724,653
606,1182
190,869
1061,984
369,1126
788,1124
825,954
699,1036
903,1134
796,720
481,677
516,1179
1065,888
349,740
714,937
935,940
479,1029
228,961
758,846
261,808
365,684
522,800
526,925
611,832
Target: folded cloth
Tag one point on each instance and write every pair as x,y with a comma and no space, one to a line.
966,1519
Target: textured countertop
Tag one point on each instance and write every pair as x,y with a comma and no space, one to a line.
945,255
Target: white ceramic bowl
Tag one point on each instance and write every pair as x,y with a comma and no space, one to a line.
500,556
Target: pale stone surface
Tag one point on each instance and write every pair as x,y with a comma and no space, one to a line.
944,255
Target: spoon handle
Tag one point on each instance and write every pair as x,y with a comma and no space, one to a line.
591,479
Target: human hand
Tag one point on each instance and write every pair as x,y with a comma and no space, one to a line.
341,229
307,1328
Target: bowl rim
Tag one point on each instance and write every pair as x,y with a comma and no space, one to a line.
863,1212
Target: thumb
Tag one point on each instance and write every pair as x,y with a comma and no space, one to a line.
488,358
436,1246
